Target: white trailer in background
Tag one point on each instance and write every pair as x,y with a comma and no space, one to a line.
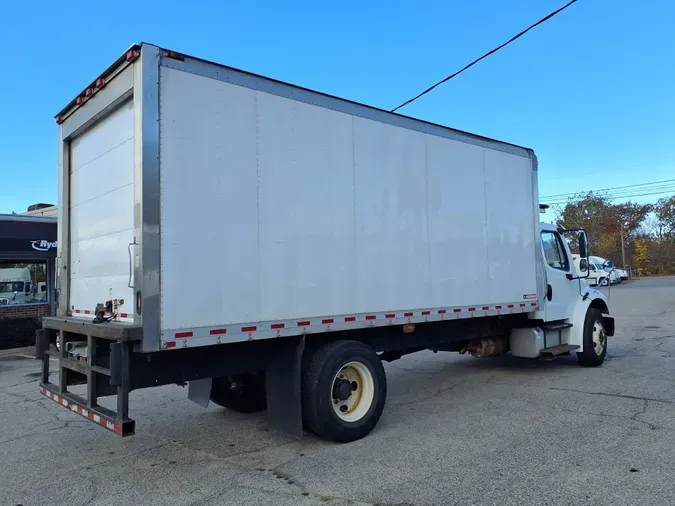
270,245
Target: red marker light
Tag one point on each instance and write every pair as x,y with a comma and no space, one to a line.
89,92
175,55
100,82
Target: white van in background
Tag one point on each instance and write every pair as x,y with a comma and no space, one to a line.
614,277
596,275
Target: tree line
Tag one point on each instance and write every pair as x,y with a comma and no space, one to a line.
648,231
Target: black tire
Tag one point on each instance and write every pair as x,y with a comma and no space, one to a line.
320,368
244,393
590,357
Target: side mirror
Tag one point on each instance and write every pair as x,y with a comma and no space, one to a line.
608,266
583,245
583,265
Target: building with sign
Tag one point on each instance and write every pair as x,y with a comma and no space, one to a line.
27,275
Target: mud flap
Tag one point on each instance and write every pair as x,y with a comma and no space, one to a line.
282,383
609,324
199,391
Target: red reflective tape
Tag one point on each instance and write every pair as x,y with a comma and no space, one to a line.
350,318
510,306
170,344
249,329
278,325
426,313
407,314
390,315
485,308
181,335
498,307
217,332
118,429
327,321
370,317
124,315
472,309
303,324
86,311
441,311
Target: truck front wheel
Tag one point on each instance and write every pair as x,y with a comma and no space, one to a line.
595,340
244,393
344,389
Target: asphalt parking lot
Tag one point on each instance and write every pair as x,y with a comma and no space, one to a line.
456,430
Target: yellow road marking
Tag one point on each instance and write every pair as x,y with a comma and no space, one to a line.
22,355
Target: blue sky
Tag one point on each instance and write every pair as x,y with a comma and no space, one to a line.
591,91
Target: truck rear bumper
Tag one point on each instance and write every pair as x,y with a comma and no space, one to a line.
104,359
103,364
98,414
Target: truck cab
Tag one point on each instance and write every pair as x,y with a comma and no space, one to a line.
15,286
574,316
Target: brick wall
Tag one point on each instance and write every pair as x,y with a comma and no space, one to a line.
24,311
19,323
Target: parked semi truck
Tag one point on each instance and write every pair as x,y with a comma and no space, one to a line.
270,246
15,285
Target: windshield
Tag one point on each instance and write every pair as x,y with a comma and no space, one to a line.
11,286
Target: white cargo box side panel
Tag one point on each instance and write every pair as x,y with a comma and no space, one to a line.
306,210
102,212
277,209
511,233
457,223
208,202
392,240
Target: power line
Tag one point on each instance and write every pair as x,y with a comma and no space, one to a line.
572,194
672,190
628,194
542,20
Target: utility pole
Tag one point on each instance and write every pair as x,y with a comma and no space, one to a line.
623,247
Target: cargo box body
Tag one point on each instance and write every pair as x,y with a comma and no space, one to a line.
223,206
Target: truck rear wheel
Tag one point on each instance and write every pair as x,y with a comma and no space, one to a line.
244,393
595,340
344,389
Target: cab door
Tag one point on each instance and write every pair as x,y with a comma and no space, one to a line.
561,292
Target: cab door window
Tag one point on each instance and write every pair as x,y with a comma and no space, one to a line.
554,252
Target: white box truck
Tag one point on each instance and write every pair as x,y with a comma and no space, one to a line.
269,246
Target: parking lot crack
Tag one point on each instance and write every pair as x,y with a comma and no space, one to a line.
632,418
605,394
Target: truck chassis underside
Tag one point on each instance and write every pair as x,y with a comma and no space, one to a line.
108,363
